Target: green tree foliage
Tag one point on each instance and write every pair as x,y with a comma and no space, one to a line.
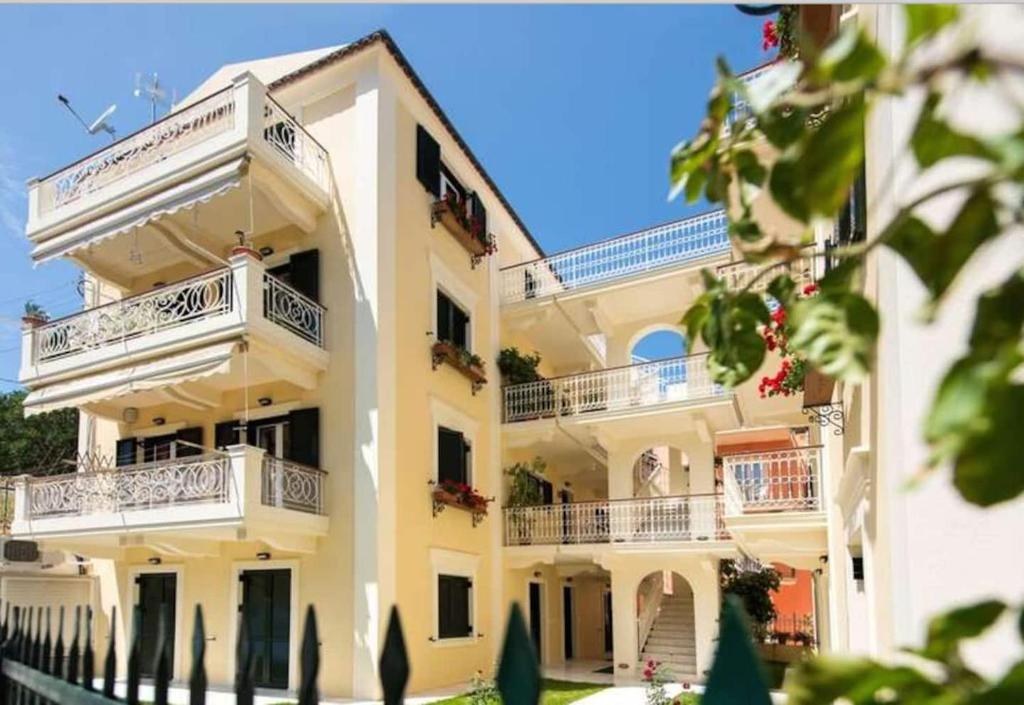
518,368
36,444
754,588
811,113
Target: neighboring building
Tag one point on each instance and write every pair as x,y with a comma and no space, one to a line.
278,419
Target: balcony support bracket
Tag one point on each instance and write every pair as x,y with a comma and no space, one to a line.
825,415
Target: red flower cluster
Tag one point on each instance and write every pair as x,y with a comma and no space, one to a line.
779,383
649,670
790,378
468,496
474,224
810,289
769,35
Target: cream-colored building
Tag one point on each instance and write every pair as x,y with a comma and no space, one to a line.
268,418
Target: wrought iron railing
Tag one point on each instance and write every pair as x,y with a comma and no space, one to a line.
191,480
290,485
292,310
168,307
644,251
777,480
678,379
639,520
165,138
291,140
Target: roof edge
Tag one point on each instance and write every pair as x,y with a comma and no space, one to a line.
382,36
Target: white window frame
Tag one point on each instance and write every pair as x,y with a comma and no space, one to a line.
459,564
235,600
445,415
179,605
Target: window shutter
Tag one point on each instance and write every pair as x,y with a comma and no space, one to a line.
453,606
451,455
428,161
225,434
190,435
467,460
547,491
304,437
305,273
125,453
460,324
444,317
479,213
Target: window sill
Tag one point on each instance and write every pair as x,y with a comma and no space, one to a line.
445,352
454,641
442,499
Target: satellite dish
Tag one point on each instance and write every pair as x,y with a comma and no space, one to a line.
100,124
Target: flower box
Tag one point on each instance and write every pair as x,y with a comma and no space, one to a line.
817,388
467,499
460,360
448,212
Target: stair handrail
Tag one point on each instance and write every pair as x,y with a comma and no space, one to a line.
653,595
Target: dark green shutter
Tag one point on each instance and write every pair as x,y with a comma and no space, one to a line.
304,437
190,435
451,455
225,434
479,213
453,606
428,161
125,453
305,273
460,324
444,317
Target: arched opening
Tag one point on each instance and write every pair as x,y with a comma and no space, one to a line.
661,471
665,624
657,344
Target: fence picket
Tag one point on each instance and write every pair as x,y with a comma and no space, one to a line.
58,649
74,651
88,665
134,656
162,660
197,676
394,661
110,662
244,666
45,665
518,673
309,661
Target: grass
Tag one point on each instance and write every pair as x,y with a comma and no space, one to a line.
552,693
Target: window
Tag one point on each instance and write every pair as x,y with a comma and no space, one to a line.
857,567
453,456
449,184
544,489
301,272
452,322
454,607
295,436
186,442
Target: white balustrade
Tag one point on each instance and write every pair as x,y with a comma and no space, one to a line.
165,308
290,485
190,480
645,251
678,379
740,274
290,309
282,132
163,139
777,480
640,520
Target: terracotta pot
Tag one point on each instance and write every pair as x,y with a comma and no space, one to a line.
817,388
243,250
32,321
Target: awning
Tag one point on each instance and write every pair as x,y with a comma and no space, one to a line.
168,371
188,194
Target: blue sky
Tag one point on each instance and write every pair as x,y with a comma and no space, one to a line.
572,109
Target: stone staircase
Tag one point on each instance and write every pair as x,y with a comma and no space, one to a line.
671,641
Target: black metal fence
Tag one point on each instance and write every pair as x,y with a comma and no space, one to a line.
38,668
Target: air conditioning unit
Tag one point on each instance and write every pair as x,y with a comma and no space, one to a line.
17,552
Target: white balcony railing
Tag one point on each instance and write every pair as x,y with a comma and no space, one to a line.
243,111
740,108
641,520
645,251
165,308
739,274
290,309
678,379
290,485
208,478
191,480
778,480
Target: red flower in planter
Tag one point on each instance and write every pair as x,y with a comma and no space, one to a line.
769,35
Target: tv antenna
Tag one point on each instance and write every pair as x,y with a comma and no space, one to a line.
99,124
149,88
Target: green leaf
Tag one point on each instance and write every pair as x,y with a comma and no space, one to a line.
923,21
688,158
836,331
1008,691
987,470
946,631
783,126
851,56
999,318
938,259
749,167
783,289
934,140
858,681
694,185
737,674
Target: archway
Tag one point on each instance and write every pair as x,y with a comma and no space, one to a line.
657,342
666,632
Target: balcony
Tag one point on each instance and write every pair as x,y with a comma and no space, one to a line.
91,349
177,506
624,398
693,519
773,503
237,153
741,274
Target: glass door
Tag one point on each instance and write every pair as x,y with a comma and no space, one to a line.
266,608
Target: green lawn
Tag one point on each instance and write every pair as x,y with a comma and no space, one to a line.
553,693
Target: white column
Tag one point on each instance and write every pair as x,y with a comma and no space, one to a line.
624,641
620,473
706,607
678,478
246,476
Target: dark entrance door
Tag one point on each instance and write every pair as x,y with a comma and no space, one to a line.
567,621
266,609
608,622
536,618
157,593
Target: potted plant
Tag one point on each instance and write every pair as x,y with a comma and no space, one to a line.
34,315
243,247
517,368
469,364
468,228
448,493
524,491
794,374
